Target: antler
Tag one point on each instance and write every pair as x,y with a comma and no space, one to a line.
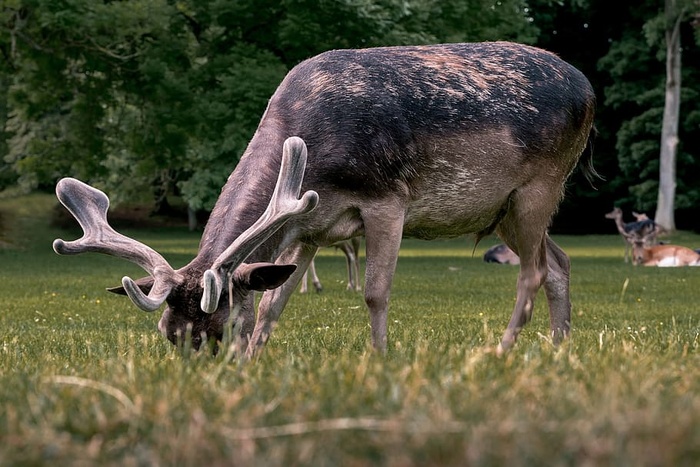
89,206
284,204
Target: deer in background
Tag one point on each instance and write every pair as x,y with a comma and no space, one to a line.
433,141
662,255
351,249
631,231
501,254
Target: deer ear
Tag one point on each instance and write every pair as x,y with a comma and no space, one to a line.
264,276
145,284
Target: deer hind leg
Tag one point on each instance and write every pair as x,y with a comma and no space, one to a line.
523,229
383,230
556,288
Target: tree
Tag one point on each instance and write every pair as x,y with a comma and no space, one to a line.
636,97
80,67
675,13
673,16
7,177
159,96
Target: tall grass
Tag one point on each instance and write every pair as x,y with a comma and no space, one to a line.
85,379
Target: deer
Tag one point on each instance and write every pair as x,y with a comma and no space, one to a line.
501,254
429,141
662,255
631,231
351,250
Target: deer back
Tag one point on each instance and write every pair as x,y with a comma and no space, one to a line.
455,128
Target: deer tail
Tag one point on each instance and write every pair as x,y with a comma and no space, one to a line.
586,162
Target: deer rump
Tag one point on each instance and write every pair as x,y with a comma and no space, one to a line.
424,141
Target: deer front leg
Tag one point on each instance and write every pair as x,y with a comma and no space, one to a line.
383,232
304,282
273,301
351,248
315,281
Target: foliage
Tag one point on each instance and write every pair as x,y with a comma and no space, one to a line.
85,378
7,175
636,64
151,96
311,27
70,60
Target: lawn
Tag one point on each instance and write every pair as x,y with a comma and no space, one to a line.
85,378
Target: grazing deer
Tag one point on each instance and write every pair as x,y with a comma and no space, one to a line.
501,254
631,231
417,141
663,255
351,249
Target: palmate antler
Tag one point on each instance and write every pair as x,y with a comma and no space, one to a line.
89,206
284,204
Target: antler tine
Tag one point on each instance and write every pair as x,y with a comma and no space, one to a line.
284,204
89,206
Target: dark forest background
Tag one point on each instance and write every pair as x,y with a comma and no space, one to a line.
154,101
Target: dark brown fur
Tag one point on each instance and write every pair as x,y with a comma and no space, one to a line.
424,141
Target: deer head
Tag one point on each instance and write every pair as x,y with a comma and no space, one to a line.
615,214
199,303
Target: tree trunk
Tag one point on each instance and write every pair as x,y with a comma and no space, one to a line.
192,222
669,132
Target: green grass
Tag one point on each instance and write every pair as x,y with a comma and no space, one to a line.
85,379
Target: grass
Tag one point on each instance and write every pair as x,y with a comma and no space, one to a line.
85,379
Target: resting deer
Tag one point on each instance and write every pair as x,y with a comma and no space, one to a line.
630,231
501,254
419,141
351,249
663,255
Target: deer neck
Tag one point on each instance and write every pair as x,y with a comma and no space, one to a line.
620,225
